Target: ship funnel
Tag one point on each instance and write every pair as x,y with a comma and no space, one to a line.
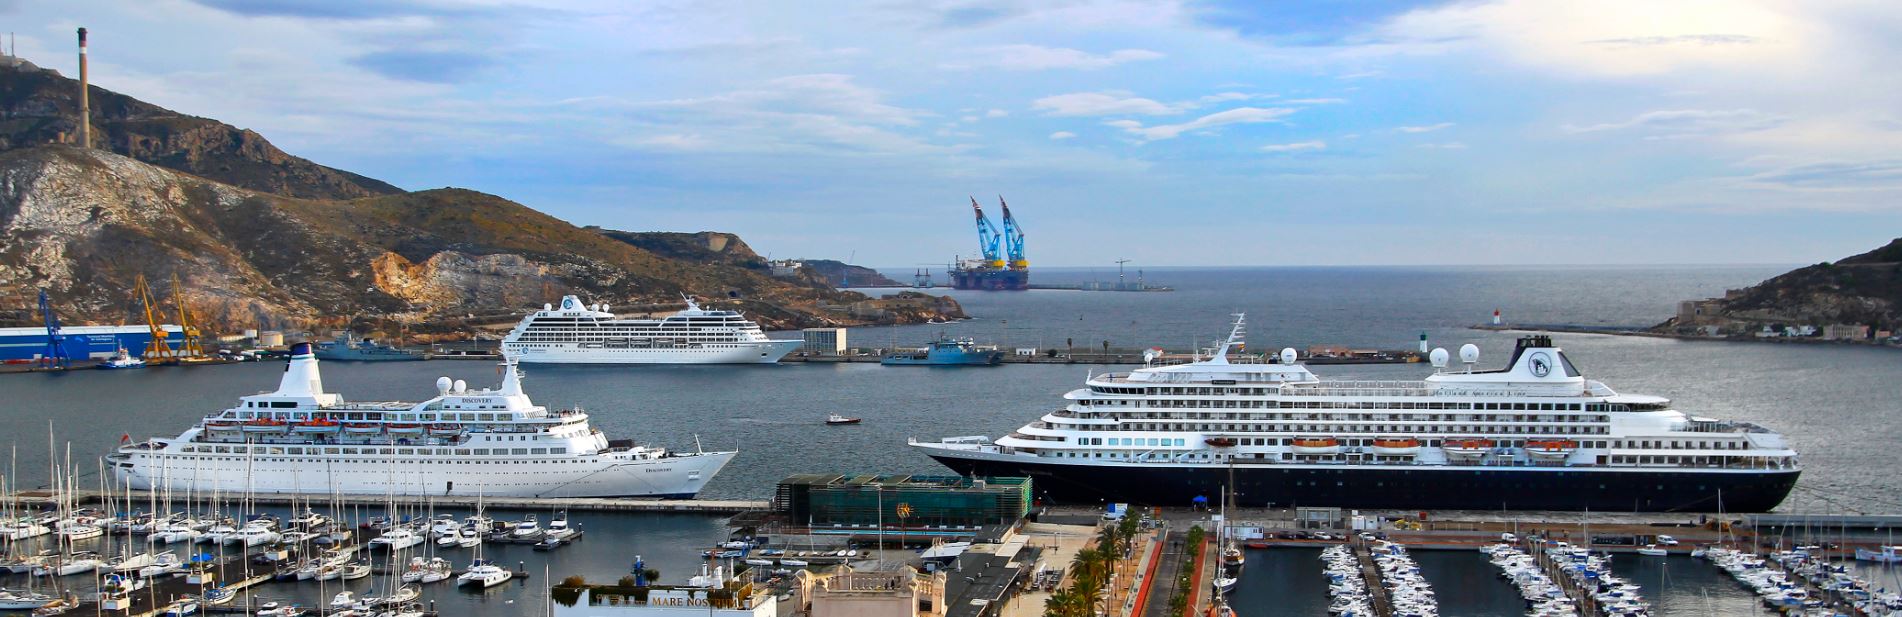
511,380
300,374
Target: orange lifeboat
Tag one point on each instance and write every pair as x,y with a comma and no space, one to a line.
1551,449
264,425
1317,445
1396,446
1467,448
319,425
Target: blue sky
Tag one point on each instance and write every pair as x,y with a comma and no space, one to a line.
1168,133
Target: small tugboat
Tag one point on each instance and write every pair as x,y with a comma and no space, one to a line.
348,349
836,420
947,351
122,360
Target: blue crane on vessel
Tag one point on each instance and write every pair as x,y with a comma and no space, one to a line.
55,355
987,237
1013,238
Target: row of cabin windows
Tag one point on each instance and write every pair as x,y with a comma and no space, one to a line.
1233,404
1364,429
1355,417
345,450
1349,428
374,415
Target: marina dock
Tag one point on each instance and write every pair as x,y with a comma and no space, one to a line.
597,504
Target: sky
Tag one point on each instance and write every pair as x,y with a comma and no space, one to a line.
1168,132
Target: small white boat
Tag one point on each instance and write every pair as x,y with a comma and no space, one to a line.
1884,554
221,595
122,360
837,420
1225,584
274,609
343,600
527,528
1653,550
355,571
793,563
397,539
559,529
484,575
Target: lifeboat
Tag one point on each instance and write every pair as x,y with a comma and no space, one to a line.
1317,445
1467,449
445,429
406,429
319,425
1396,446
264,426
1551,449
221,426
363,428
1221,442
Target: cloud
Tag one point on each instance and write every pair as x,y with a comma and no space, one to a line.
1837,176
1062,135
1450,145
332,9
440,67
1425,128
822,112
1608,37
1239,115
1103,104
1671,123
1298,146
1024,57
1681,39
1223,97
1314,101
677,141
996,113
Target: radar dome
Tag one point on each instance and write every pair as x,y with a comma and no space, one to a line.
443,384
547,307
604,307
1439,357
462,386
1287,355
1469,353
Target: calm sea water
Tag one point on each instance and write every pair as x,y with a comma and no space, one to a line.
1837,404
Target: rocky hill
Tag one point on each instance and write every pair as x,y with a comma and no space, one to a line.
1864,290
262,239
83,223
40,106
833,272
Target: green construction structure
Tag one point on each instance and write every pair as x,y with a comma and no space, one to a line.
901,501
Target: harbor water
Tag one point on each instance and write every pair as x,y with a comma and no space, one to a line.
1836,403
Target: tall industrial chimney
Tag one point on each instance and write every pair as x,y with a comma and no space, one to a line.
85,107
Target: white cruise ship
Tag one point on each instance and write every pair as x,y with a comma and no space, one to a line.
494,442
588,334
1535,435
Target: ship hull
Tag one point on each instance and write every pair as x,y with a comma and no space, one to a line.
710,353
990,280
672,477
1393,487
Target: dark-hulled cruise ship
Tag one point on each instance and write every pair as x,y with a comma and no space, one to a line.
1535,435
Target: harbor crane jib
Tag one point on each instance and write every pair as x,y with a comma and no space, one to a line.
987,237
55,355
1013,238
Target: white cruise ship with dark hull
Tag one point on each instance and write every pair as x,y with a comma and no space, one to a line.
1535,435
494,442
575,333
